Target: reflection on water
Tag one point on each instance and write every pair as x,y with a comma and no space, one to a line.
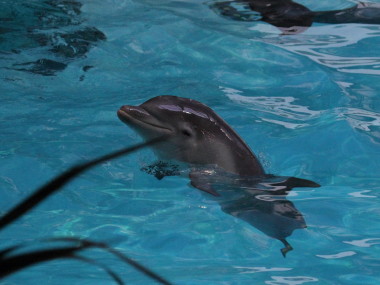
277,110
285,108
361,194
283,111
361,119
290,280
251,270
279,106
364,242
337,255
321,44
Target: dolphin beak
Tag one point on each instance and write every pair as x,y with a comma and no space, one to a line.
128,113
137,117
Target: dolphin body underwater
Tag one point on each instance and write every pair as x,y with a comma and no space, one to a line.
218,162
293,18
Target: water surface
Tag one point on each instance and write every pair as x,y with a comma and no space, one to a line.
307,104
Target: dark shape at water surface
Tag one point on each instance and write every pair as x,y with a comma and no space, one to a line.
78,43
46,67
291,17
54,27
217,162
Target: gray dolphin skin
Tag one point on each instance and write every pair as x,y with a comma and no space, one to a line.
197,135
220,162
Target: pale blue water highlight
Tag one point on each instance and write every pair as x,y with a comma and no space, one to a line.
307,104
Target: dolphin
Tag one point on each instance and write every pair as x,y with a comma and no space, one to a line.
293,18
198,135
220,162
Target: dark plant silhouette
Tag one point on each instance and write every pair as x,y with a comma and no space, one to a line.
11,262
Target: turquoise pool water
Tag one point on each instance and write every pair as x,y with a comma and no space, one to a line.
307,104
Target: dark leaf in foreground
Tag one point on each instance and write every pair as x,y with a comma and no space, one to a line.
12,263
62,179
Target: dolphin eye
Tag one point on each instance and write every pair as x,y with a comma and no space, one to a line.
186,133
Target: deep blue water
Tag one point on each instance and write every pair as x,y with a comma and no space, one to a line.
307,104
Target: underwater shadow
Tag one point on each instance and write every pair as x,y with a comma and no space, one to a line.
55,27
260,201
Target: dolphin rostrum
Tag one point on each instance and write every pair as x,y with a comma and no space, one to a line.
220,162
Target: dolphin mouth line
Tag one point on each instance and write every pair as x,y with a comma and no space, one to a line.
122,114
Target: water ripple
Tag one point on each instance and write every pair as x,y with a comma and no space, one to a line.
321,43
364,242
293,280
338,255
359,118
360,194
251,270
283,107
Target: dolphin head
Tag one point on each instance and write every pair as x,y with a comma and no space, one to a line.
197,135
167,115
